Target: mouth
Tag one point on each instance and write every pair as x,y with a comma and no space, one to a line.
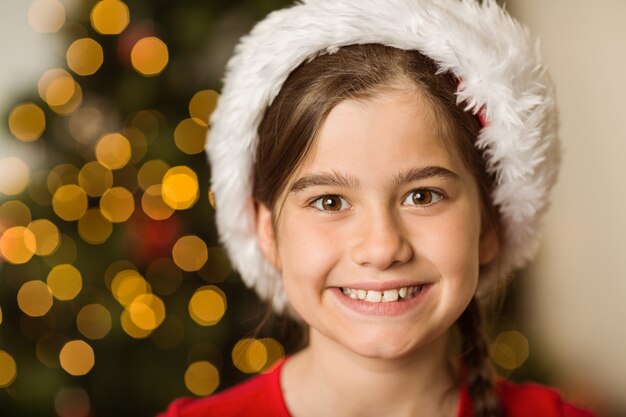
387,296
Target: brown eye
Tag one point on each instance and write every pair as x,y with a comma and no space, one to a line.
330,203
422,197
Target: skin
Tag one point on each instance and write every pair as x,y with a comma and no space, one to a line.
378,236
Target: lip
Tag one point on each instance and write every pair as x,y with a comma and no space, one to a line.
392,309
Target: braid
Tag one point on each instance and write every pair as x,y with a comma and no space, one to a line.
479,379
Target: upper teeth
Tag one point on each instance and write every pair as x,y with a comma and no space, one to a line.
386,296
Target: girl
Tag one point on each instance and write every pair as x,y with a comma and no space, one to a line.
379,168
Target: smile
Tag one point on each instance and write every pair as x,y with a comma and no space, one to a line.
386,296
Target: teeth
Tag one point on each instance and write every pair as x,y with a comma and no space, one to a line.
386,296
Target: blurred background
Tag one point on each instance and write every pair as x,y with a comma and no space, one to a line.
115,297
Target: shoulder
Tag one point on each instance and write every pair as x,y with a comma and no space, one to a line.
533,399
258,396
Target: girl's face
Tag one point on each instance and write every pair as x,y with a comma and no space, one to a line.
379,236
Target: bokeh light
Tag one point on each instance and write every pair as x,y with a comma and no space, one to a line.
48,348
14,213
65,282
46,16
17,245
60,91
8,369
87,124
115,268
0,315
117,204
94,321
94,228
151,173
110,17
77,357
138,143
69,202
147,121
147,311
15,175
113,151
84,56
72,402
207,305
509,350
46,235
180,188
149,56
34,298
27,122
202,104
249,355
153,205
95,178
190,136
202,378
127,285
131,328
190,253
62,174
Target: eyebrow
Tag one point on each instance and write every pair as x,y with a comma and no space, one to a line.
339,180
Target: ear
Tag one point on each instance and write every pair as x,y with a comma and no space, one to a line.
265,234
489,244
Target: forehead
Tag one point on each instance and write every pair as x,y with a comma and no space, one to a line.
393,127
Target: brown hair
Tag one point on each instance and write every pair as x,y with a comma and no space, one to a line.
360,72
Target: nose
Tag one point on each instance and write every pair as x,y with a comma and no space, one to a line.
381,241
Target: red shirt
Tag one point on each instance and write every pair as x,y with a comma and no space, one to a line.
261,396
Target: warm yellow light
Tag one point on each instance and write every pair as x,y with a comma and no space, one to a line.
138,143
275,351
151,173
117,204
14,213
202,378
190,253
63,174
34,298
147,121
77,357
73,104
509,350
113,151
15,176
8,369
131,328
110,17
153,205
0,315
147,311
65,282
149,56
17,245
190,136
95,178
84,56
249,356
202,104
164,276
86,124
207,306
46,16
94,321
27,122
60,90
94,228
218,267
127,285
180,188
46,236
211,198
69,202
114,268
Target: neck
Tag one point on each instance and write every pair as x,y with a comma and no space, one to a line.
327,375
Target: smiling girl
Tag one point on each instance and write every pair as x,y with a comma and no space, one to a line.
379,168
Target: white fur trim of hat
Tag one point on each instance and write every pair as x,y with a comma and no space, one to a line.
494,56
